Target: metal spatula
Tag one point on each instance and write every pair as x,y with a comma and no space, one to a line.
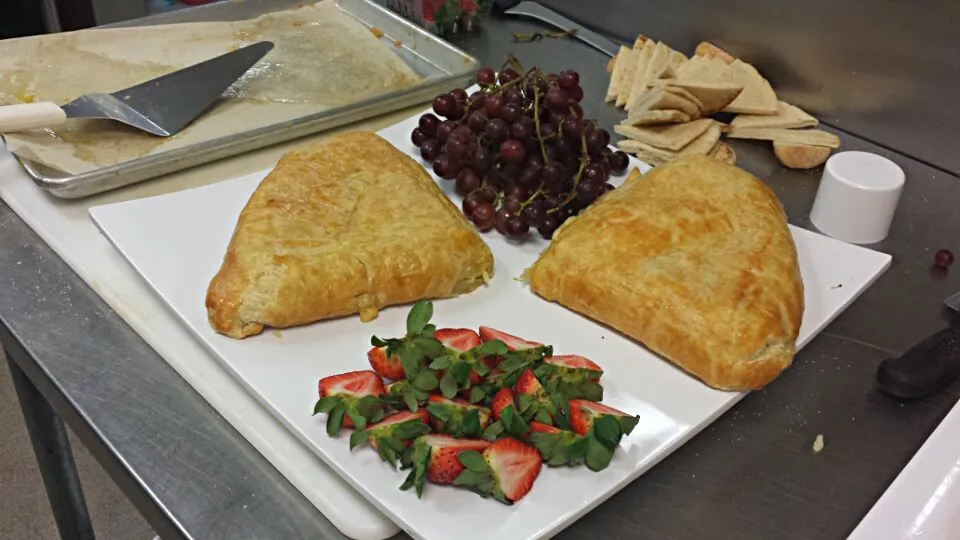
161,106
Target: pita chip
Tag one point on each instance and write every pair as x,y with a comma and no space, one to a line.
647,118
810,137
626,89
757,96
622,58
667,136
788,116
713,96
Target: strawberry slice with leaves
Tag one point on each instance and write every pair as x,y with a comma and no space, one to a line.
392,435
506,470
557,446
602,426
388,367
533,401
350,400
434,457
462,368
417,347
456,417
570,376
508,420
512,342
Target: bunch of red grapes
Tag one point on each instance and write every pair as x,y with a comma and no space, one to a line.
519,149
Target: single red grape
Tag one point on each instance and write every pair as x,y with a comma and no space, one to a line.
418,137
493,106
497,130
508,75
567,147
587,193
428,124
534,161
516,227
430,149
513,96
477,121
444,167
510,172
550,224
512,151
482,159
523,129
484,216
556,118
516,192
943,258
557,99
593,173
597,140
618,162
511,205
476,101
575,93
459,94
462,132
568,79
470,203
457,148
486,76
445,129
529,177
575,110
445,105
510,112
551,174
572,127
534,214
467,181
547,129
500,220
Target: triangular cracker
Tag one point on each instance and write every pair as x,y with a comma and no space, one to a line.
623,59
812,137
704,143
659,99
788,116
647,118
723,153
668,136
757,96
713,96
635,70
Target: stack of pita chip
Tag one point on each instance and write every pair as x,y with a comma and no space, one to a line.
668,99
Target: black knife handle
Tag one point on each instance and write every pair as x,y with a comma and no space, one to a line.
926,368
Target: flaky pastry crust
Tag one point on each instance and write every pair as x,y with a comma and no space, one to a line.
695,261
346,225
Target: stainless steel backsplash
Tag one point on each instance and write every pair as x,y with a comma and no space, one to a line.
885,70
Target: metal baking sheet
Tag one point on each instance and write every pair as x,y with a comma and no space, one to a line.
441,65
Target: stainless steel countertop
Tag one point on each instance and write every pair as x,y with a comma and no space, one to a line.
751,474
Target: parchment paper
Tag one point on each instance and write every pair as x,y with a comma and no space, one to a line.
322,58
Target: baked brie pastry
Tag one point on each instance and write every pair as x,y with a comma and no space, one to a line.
347,225
693,259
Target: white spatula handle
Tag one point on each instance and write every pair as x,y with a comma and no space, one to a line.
30,115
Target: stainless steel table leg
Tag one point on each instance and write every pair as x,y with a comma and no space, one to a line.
54,458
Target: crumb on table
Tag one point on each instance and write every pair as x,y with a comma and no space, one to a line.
818,444
376,31
397,43
277,334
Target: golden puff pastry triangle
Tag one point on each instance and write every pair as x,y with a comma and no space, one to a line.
693,259
346,225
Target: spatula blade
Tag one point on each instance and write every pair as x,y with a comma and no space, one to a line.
170,102
953,302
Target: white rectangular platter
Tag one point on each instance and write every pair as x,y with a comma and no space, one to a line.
176,242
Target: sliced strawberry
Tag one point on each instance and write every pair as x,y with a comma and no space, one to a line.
506,470
434,458
533,402
558,446
465,364
603,426
537,427
501,400
350,400
513,343
574,361
390,436
570,377
386,367
457,417
508,418
458,339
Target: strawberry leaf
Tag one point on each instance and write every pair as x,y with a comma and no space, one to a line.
410,361
411,429
410,400
377,342
473,461
419,460
357,438
490,348
358,420
477,394
440,412
448,385
598,455
335,420
512,423
461,372
607,430
493,430
440,362
426,344
326,404
426,381
419,316
627,423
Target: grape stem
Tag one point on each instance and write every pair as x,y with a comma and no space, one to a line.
536,120
576,179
